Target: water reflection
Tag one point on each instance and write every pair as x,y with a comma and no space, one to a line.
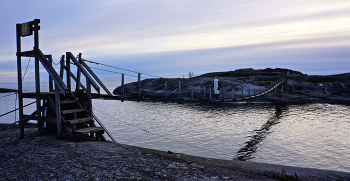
258,135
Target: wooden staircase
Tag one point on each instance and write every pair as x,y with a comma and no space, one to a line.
78,122
63,111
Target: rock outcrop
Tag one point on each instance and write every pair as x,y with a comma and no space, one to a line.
299,87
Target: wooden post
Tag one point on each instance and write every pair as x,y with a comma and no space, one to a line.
68,72
122,91
78,74
179,89
139,88
62,67
58,111
37,77
50,78
166,91
19,78
88,93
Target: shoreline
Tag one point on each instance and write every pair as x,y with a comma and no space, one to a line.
272,99
64,159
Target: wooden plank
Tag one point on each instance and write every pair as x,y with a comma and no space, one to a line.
88,92
69,101
58,112
37,88
33,94
72,111
78,76
28,54
50,78
69,85
19,77
62,67
79,120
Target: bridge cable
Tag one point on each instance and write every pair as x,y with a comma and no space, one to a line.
32,115
120,68
17,109
112,71
26,69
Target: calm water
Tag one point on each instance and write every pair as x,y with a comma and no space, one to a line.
311,135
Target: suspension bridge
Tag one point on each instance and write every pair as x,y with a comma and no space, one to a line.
66,108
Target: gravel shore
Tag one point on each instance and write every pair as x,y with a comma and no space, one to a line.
47,158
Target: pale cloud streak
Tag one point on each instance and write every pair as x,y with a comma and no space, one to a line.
139,28
185,26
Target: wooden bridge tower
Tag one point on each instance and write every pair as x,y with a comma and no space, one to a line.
67,112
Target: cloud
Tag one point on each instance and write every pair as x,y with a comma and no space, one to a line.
178,35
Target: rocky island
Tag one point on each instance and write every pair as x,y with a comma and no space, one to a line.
298,87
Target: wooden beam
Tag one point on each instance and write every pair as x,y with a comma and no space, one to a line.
37,77
88,92
122,86
58,112
69,85
62,67
77,80
19,77
139,88
50,78
28,54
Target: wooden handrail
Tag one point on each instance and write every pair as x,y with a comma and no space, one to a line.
53,74
100,123
96,78
83,71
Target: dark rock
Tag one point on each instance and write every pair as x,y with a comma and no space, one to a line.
317,88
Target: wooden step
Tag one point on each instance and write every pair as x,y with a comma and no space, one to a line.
89,130
69,101
79,120
72,111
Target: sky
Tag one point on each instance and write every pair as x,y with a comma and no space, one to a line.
172,38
